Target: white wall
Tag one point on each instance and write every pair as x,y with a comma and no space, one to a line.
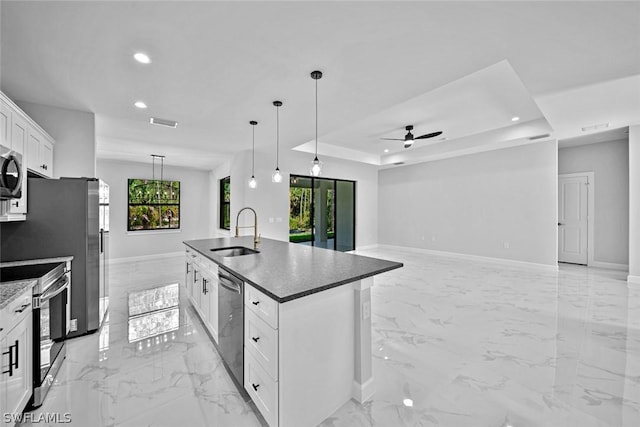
74,131
474,204
610,163
634,204
195,209
271,201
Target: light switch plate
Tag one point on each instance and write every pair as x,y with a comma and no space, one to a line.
73,325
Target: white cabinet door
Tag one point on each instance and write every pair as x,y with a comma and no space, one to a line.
205,305
5,124
3,383
16,357
33,151
46,157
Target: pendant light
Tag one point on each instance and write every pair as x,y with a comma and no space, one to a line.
316,165
252,181
277,176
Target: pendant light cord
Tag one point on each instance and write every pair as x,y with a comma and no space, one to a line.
253,151
277,137
316,118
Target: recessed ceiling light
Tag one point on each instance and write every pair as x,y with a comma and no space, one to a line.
143,58
408,402
515,118
140,104
386,150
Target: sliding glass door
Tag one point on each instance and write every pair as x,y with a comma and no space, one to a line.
322,212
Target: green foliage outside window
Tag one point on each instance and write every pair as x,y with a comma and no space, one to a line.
225,203
153,205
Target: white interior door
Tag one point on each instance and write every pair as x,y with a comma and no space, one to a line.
572,219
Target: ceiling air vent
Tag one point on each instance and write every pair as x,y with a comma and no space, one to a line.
544,135
163,122
398,163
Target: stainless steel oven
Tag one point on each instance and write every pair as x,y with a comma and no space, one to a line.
51,319
51,314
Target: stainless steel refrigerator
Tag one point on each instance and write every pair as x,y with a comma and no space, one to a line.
68,216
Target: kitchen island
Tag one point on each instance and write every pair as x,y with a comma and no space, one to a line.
306,322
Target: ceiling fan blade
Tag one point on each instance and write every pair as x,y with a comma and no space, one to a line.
428,135
392,139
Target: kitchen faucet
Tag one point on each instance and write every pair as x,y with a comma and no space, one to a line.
256,236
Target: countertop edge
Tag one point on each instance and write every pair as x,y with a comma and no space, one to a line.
19,288
36,261
299,294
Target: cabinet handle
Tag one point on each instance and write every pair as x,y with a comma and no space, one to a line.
255,386
195,275
16,204
255,302
12,364
204,286
187,268
17,356
255,339
23,307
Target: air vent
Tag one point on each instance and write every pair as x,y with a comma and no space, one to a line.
399,163
544,135
163,122
595,127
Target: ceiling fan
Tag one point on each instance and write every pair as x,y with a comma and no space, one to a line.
409,138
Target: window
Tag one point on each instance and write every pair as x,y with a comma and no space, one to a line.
225,203
322,212
153,205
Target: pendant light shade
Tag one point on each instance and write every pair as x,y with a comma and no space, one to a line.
252,181
277,176
316,165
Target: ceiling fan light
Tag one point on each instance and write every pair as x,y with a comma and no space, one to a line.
408,143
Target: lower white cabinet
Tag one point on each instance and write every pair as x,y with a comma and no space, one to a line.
201,284
16,347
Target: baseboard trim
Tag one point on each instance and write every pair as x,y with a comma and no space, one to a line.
609,265
144,258
366,247
458,255
633,279
363,392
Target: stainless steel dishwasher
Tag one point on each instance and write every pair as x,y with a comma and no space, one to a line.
231,323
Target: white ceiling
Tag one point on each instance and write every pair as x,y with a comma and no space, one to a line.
461,67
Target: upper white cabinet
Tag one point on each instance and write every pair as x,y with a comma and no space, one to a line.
39,153
22,135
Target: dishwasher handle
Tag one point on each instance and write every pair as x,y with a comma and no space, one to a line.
229,284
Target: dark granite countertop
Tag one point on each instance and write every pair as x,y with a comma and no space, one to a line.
287,271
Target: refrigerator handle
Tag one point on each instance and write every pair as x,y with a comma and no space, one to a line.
101,240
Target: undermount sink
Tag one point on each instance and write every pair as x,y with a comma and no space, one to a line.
234,251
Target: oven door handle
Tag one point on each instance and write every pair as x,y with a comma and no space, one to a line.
62,285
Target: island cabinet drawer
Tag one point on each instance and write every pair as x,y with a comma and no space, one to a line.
260,304
262,341
262,389
17,310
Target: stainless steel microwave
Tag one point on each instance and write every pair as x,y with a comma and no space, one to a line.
10,174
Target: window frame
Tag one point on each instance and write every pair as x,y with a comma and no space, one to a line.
224,205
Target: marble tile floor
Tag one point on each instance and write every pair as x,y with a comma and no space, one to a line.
456,343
